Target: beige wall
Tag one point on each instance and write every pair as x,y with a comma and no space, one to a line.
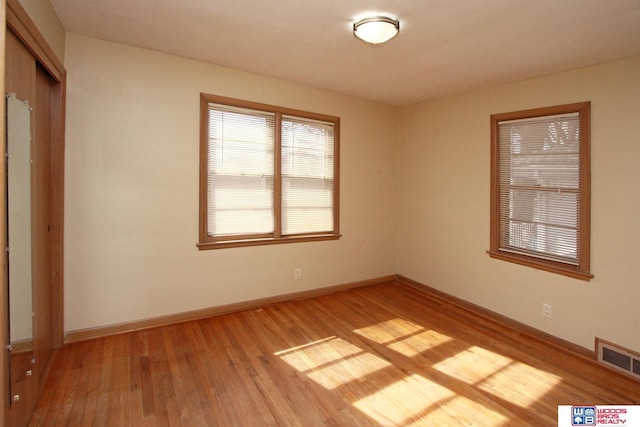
131,208
131,194
44,16
444,205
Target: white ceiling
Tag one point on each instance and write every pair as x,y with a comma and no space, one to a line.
444,46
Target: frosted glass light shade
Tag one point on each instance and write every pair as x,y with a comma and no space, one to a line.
376,29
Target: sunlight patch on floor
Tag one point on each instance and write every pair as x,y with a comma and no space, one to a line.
333,362
403,336
418,343
428,402
389,330
469,385
523,384
473,365
413,394
498,375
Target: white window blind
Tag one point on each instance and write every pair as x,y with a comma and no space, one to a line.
267,174
307,176
539,186
240,178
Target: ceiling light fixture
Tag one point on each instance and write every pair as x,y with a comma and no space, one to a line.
376,29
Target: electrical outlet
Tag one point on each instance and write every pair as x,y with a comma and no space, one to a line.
297,274
546,310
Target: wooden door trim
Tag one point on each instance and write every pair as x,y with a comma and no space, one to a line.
21,24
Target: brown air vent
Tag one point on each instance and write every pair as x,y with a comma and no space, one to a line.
619,358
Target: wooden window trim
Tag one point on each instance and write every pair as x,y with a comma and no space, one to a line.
582,269
205,241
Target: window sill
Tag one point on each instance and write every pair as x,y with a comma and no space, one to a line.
267,241
540,264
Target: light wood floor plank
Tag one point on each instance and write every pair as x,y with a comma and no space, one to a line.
381,355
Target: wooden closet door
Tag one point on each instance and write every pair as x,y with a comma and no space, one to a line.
30,82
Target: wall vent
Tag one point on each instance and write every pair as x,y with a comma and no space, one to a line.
619,358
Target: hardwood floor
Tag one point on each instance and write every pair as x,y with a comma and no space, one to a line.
384,355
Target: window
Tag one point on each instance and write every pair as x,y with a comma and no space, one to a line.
267,174
540,188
